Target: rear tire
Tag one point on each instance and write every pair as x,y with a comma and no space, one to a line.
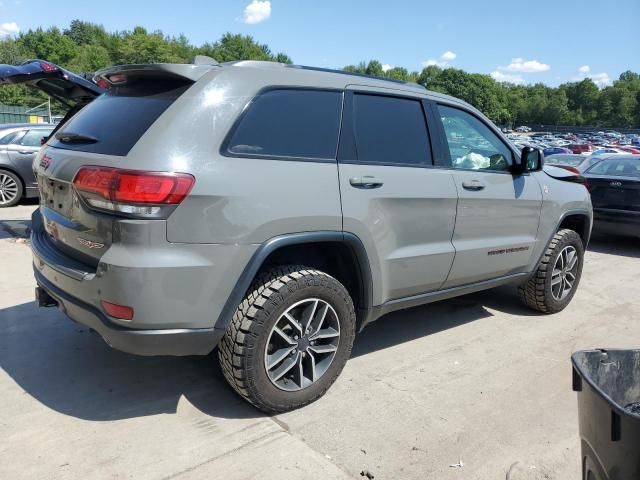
295,320
10,189
556,280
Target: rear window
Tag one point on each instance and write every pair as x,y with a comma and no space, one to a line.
289,123
564,160
617,168
118,118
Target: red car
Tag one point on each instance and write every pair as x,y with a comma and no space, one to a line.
580,147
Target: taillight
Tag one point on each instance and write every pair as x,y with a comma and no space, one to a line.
132,191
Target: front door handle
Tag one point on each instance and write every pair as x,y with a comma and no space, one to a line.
474,185
24,152
365,182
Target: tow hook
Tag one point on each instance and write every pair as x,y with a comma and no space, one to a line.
43,299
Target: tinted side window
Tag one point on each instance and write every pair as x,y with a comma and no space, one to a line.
289,123
390,130
33,138
472,144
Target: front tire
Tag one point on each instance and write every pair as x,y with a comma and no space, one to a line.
556,280
289,338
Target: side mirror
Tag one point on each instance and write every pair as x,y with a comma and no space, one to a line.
531,160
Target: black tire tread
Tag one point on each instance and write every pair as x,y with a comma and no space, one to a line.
233,349
533,293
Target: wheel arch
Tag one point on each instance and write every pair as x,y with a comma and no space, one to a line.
579,222
340,254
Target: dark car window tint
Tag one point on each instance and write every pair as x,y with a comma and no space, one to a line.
617,168
118,118
390,130
33,138
289,123
472,144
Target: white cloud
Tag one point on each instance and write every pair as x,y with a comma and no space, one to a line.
386,67
257,11
8,29
525,66
600,79
506,77
448,56
443,61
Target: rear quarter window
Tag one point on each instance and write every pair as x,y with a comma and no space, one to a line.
288,123
119,117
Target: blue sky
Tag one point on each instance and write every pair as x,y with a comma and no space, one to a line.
548,41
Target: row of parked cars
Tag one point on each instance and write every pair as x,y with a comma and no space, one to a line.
586,143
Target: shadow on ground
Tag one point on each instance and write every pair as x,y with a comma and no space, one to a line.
613,245
15,228
71,370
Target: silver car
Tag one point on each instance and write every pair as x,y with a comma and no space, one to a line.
273,211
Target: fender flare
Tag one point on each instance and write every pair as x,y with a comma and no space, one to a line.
267,248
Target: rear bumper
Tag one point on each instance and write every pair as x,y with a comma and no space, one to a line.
177,291
175,342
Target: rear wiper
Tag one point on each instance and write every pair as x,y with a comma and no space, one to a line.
65,137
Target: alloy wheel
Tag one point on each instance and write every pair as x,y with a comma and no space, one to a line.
564,273
302,344
8,189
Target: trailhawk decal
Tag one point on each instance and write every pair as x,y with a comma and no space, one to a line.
507,250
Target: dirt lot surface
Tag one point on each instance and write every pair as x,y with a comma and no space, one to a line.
472,388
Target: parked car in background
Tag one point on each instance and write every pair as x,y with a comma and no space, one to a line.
635,151
572,162
614,184
18,145
602,151
556,151
584,148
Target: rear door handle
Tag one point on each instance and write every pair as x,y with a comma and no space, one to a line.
365,182
25,152
474,185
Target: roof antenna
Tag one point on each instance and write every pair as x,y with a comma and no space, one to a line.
204,60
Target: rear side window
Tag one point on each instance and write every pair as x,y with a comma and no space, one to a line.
118,118
289,123
33,138
390,130
8,138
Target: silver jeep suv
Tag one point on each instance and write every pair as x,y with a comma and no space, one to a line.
272,211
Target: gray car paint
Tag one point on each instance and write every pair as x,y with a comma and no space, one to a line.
180,272
18,158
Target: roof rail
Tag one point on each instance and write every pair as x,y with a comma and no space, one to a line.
354,74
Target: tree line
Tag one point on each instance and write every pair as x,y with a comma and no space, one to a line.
87,47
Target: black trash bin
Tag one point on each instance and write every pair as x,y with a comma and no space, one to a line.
608,386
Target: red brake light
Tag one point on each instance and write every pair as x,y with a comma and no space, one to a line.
122,188
118,311
48,67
